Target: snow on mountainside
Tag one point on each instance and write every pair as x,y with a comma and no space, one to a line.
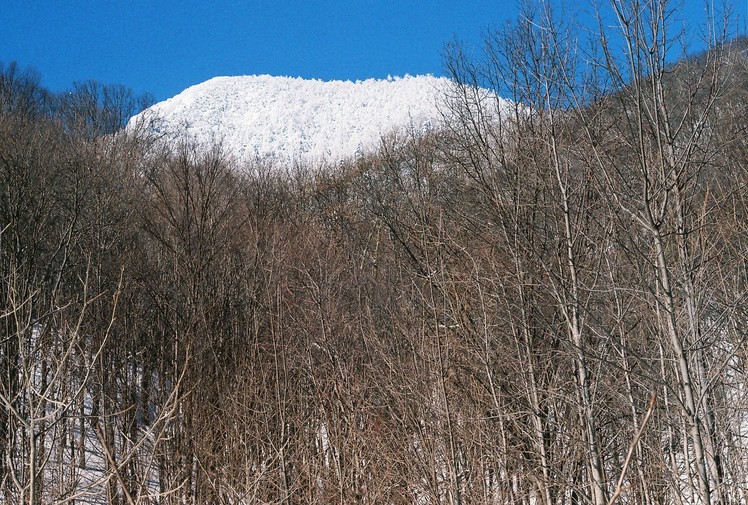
297,119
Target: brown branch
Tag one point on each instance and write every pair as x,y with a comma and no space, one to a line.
632,447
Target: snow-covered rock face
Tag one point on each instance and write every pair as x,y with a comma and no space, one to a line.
293,119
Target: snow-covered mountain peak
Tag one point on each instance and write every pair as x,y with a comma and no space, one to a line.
295,119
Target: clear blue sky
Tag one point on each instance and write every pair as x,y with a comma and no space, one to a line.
164,46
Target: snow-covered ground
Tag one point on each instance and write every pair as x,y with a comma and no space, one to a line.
293,119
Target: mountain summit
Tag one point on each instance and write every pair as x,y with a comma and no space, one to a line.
294,119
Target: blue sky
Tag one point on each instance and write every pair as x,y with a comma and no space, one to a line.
164,46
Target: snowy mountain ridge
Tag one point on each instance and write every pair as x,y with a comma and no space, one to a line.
295,119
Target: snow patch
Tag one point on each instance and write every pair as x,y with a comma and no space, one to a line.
297,120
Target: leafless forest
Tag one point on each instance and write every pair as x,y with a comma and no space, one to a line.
544,305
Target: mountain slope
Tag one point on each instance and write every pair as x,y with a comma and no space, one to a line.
292,119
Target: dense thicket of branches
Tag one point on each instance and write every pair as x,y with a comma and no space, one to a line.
545,303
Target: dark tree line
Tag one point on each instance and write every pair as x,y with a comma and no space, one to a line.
544,301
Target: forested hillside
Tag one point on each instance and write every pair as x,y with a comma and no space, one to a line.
542,304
